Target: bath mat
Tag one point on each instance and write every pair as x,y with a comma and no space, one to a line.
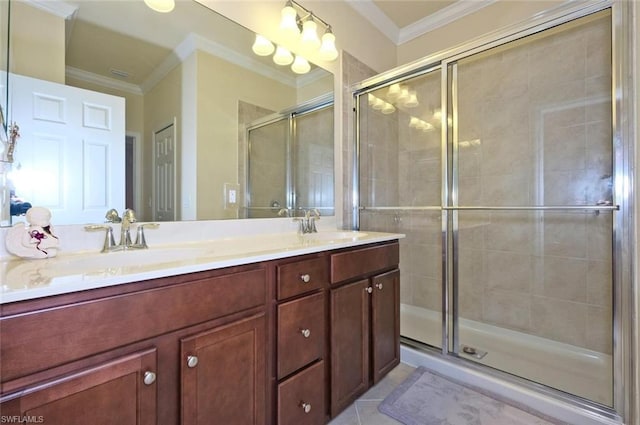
426,398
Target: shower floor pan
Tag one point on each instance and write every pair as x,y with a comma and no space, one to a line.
569,368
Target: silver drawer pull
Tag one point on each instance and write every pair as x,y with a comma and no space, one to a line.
149,378
369,289
306,278
305,333
305,406
192,361
379,286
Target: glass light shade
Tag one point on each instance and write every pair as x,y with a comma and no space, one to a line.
394,92
378,104
289,22
388,109
162,6
309,40
262,46
412,101
414,122
328,51
300,65
282,56
404,95
371,99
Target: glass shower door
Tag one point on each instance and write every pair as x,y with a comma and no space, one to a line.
533,215
400,181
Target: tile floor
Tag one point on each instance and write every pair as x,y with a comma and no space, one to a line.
365,409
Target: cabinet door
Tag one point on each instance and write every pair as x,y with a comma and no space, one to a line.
385,323
224,374
118,392
349,343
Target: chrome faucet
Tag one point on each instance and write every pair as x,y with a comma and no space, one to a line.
128,217
308,222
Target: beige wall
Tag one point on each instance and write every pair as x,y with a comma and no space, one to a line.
217,128
162,105
37,43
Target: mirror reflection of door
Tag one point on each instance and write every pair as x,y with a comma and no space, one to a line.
164,166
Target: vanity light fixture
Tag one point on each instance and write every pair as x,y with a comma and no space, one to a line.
162,6
300,24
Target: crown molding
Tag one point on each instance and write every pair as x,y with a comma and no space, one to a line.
372,13
103,81
55,7
457,10
442,17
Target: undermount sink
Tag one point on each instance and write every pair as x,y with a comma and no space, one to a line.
133,257
338,236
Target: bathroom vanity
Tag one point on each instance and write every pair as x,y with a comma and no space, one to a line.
287,337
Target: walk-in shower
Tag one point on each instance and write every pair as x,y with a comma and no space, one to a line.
289,161
500,162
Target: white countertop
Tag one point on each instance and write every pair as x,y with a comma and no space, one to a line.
24,279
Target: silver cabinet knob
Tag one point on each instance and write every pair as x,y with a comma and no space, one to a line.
149,378
306,278
192,361
305,333
369,289
379,286
305,406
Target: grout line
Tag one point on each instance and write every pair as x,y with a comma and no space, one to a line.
355,404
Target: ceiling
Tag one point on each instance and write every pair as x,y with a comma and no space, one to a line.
404,20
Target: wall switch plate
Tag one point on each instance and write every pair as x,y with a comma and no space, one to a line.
231,195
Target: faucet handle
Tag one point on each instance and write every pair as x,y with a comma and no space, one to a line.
129,215
109,240
141,242
112,216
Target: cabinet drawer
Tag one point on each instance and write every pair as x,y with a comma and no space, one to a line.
301,398
301,333
361,262
52,337
302,276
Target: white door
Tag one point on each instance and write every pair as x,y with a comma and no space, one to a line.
164,165
70,154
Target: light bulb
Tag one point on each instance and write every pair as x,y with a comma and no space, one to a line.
262,46
412,101
328,51
404,95
378,104
282,56
394,92
300,65
388,109
162,6
289,21
309,40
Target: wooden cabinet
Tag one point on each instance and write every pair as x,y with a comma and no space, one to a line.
282,342
89,360
301,323
223,374
364,321
126,385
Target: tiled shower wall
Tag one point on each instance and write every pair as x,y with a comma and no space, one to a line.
534,129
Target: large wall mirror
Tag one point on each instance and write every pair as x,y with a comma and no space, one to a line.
120,106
